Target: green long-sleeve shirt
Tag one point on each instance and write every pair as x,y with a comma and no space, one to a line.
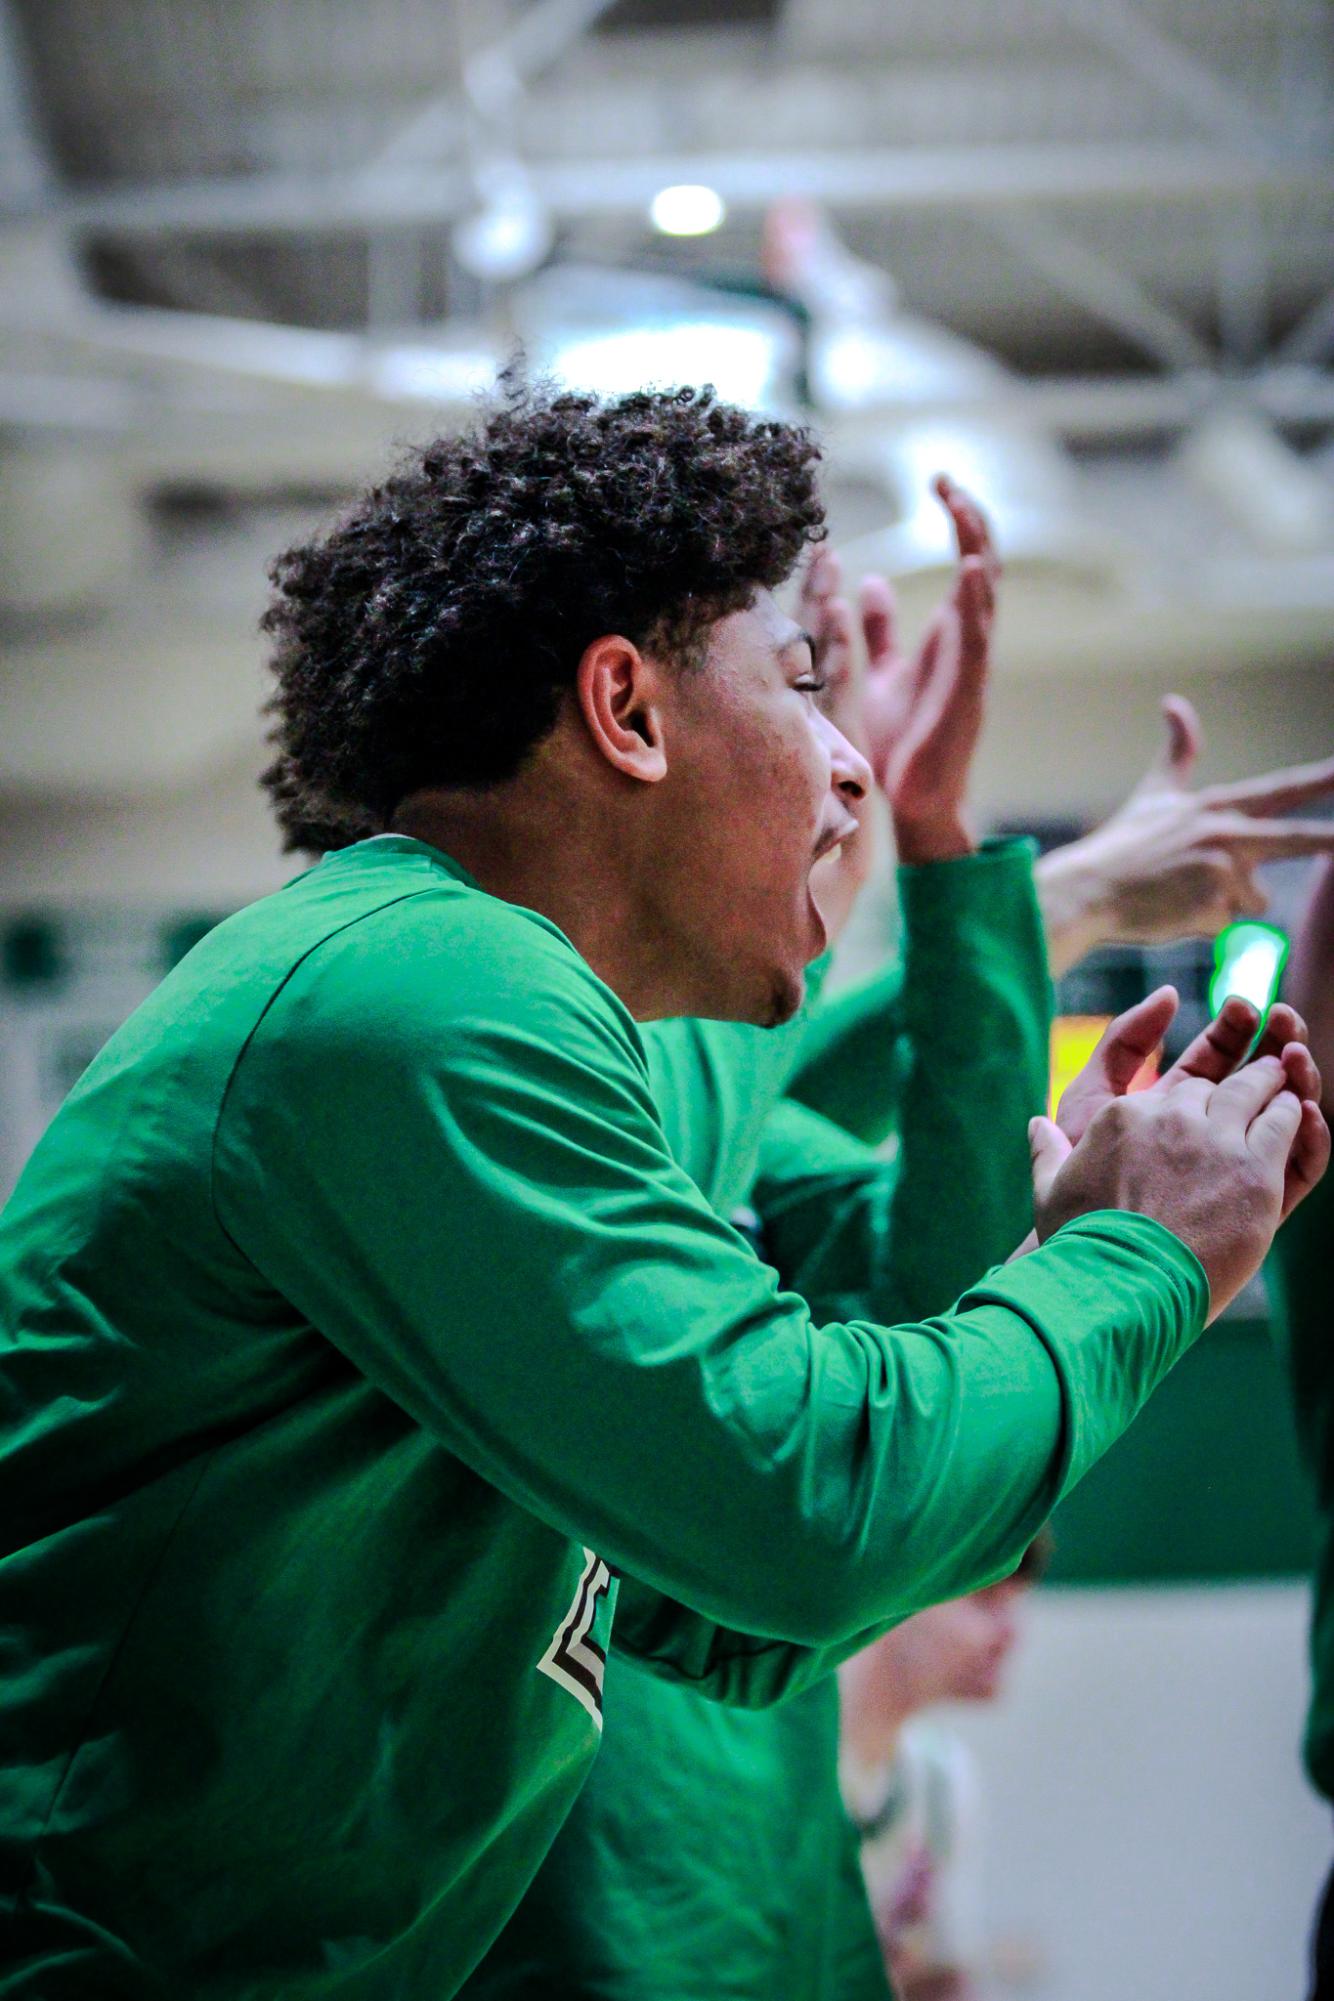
709,1857
355,1319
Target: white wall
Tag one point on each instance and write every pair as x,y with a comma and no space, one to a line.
1149,1835
1051,746
210,845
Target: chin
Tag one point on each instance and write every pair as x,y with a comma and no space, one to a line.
785,999
775,997
819,930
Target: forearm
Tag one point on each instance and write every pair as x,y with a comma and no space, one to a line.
977,1023
1299,1269
1077,912
1310,977
739,1669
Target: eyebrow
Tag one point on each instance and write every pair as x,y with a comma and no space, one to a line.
800,638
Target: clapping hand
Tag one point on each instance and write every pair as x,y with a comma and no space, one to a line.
1220,1151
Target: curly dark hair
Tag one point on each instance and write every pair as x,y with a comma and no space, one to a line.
425,639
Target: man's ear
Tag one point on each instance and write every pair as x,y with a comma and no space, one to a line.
619,694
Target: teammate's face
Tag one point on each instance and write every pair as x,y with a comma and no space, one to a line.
956,1652
760,784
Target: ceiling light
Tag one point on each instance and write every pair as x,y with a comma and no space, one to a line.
687,210
503,242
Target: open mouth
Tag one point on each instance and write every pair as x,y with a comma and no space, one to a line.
831,842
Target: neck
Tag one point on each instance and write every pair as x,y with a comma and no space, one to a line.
552,848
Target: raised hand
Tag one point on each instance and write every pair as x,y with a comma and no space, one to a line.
923,713
917,717
1176,863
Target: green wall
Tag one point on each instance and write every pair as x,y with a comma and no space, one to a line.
1206,1485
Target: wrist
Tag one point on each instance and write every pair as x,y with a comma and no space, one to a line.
941,839
1076,905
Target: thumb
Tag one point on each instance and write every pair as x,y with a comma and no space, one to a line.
1049,1150
1173,768
1185,739
1126,1045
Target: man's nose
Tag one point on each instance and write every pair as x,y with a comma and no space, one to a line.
850,771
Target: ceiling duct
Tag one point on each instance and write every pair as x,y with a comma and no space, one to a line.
1281,504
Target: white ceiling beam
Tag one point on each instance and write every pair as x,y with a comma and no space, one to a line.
246,420
1172,71
919,177
1108,293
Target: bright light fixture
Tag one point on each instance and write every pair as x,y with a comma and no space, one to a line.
686,210
506,239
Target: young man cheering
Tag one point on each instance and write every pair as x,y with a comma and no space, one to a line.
359,1324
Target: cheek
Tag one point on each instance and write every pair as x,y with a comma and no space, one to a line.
791,782
758,790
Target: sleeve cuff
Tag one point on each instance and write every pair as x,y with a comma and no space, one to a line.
1116,1299
969,924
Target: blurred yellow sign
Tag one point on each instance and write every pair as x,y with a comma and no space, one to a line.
1074,1037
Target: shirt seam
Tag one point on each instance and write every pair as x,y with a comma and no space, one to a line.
361,917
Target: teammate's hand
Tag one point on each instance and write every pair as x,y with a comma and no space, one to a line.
1218,1164
916,717
1172,862
923,712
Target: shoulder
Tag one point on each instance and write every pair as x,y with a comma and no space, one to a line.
441,967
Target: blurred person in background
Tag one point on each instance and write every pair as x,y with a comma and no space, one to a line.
909,1783
1301,1285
